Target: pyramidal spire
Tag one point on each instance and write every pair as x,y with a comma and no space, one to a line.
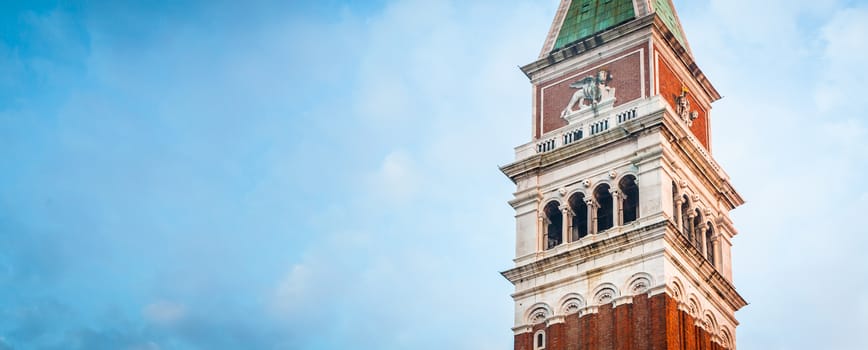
577,20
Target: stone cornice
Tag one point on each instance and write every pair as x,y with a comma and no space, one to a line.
573,256
724,289
698,159
683,54
598,143
603,38
589,43
681,140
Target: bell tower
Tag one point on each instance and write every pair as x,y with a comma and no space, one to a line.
623,234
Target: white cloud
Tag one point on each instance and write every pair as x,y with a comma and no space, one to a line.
844,59
146,346
397,179
165,313
294,290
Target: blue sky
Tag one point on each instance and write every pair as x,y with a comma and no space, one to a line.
323,175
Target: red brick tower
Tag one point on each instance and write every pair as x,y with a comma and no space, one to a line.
623,234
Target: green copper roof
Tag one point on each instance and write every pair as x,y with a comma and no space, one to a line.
588,17
668,16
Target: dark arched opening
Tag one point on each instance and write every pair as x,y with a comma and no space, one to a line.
698,228
554,225
580,217
709,244
685,217
630,203
540,342
605,217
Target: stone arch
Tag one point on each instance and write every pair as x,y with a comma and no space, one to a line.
694,308
538,313
572,303
539,340
710,322
605,294
676,289
577,191
725,337
639,283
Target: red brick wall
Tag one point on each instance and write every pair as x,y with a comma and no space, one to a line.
552,96
653,323
670,88
524,341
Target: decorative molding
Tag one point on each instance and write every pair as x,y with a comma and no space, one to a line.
624,300
654,291
522,329
539,313
640,283
589,310
605,293
555,320
693,307
572,303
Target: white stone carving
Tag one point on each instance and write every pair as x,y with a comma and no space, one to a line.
572,306
593,89
725,338
605,294
538,316
640,285
539,313
572,303
693,307
683,108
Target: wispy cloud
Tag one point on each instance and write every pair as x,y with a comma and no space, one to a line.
213,176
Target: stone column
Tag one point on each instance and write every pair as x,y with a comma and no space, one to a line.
700,240
567,215
714,249
617,208
541,234
689,231
677,214
592,215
